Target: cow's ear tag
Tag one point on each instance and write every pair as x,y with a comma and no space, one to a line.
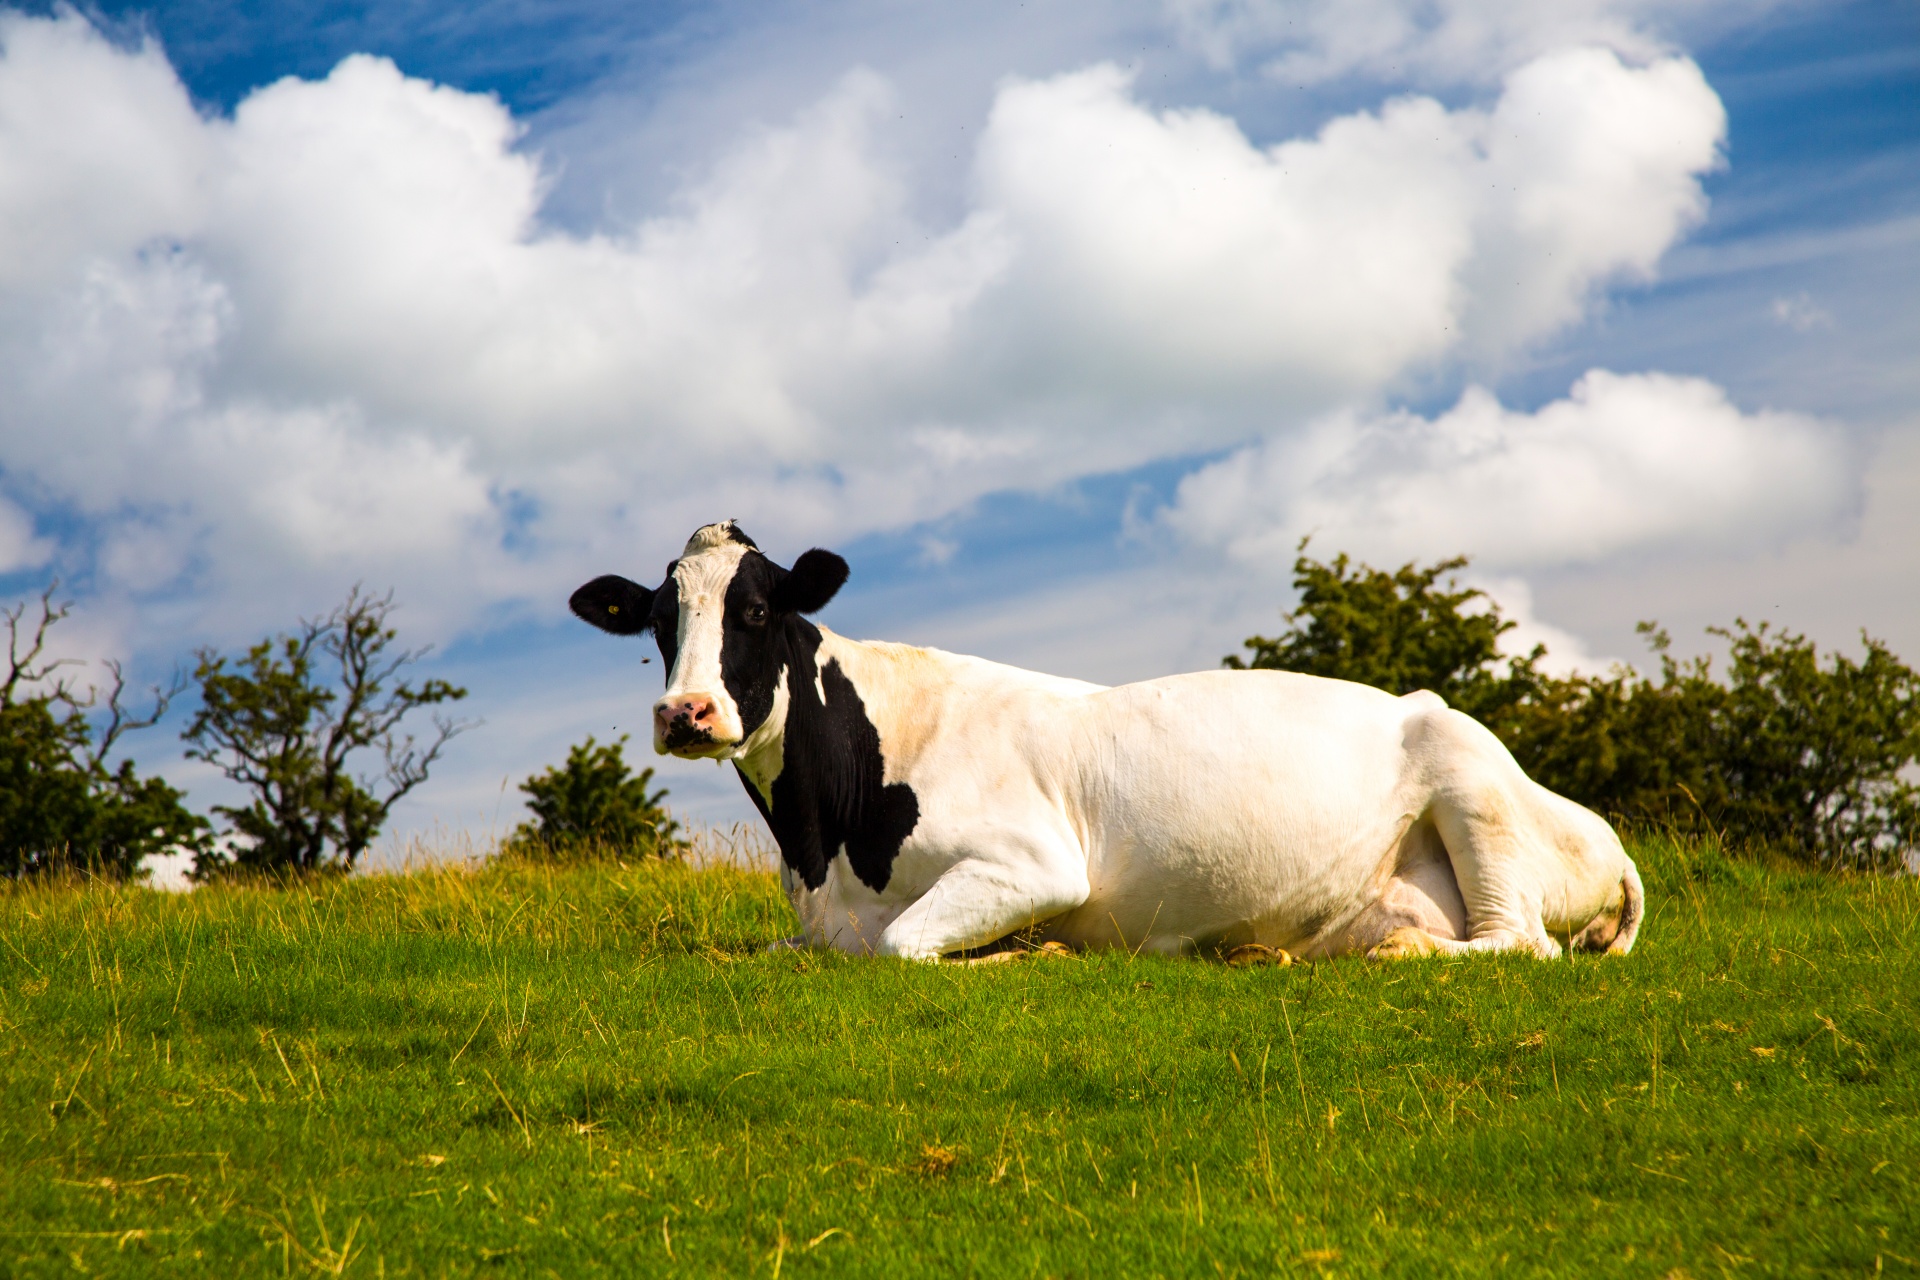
814,579
614,604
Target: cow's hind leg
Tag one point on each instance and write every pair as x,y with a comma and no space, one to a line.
1493,859
1445,929
1483,809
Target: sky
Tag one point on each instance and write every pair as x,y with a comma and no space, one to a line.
1063,323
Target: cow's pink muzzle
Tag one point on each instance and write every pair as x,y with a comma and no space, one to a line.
685,724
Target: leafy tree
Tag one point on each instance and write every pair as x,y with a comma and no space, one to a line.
1398,631
594,804
60,802
1787,753
286,720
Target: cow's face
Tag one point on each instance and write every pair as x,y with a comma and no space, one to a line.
727,620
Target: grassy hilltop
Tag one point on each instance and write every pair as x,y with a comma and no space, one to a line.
539,1071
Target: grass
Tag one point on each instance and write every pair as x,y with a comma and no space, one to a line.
529,1070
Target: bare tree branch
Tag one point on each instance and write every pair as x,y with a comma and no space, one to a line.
120,721
20,666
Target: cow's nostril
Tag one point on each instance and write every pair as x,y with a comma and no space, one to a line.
696,716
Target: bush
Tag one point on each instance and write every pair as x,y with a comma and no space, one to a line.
1790,755
594,806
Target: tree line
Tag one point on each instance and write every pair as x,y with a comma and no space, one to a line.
284,720
312,725
1782,752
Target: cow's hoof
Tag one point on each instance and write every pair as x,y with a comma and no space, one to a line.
1254,954
1053,949
1404,943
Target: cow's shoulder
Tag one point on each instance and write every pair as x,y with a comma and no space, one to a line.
937,711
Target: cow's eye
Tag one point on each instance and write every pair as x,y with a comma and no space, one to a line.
756,613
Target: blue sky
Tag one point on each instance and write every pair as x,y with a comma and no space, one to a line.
1062,322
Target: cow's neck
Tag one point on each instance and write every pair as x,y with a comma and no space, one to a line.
817,768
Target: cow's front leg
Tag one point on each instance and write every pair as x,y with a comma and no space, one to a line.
980,901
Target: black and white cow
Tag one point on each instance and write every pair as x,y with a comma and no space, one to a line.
927,804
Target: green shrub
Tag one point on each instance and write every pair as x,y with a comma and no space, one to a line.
61,804
1788,754
594,806
1792,754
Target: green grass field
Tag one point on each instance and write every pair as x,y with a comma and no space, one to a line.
529,1071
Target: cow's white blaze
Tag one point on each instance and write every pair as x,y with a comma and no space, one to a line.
701,578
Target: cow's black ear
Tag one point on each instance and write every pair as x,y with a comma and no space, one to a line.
812,581
612,603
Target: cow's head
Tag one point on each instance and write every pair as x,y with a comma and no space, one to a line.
727,620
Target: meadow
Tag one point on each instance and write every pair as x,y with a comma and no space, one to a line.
566,1071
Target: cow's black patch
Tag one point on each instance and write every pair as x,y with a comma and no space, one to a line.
830,794
752,636
665,620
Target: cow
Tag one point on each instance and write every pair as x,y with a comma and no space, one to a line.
930,805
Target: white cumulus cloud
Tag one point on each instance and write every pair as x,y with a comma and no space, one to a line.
1627,462
330,337
100,148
